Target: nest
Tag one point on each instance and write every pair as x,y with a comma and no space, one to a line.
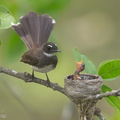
78,90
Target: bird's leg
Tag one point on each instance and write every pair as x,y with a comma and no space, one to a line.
48,81
32,74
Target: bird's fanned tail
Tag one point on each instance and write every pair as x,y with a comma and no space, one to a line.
34,30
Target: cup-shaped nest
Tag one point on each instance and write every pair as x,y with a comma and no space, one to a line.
85,85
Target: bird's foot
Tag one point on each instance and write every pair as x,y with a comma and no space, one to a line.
48,81
32,76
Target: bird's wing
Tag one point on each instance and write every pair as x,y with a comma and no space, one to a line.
29,58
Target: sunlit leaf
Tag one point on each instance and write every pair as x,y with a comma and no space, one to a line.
109,69
6,18
112,100
89,66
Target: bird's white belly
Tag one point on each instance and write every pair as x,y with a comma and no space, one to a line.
44,69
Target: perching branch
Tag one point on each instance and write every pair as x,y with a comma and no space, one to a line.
28,78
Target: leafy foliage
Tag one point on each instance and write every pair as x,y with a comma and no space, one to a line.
89,66
112,100
6,18
109,69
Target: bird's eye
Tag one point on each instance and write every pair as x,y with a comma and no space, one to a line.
49,47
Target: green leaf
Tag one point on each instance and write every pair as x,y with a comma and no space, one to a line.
109,69
5,18
112,100
89,66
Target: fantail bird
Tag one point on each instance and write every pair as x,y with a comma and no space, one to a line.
34,30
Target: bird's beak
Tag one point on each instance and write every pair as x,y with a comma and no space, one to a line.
58,50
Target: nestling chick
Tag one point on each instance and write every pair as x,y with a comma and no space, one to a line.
80,66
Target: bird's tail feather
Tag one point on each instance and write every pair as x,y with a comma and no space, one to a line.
34,30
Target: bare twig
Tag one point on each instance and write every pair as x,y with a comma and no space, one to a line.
28,78
98,114
107,94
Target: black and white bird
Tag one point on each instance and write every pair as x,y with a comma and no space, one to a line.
34,30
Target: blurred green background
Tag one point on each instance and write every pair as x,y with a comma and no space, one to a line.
90,25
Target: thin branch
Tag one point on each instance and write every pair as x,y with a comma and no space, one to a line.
107,94
98,114
28,78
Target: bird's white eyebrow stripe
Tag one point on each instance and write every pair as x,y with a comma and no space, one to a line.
50,46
